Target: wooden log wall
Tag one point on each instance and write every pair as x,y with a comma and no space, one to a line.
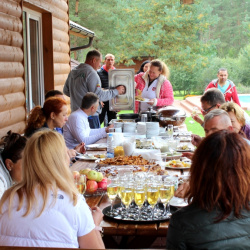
12,98
12,85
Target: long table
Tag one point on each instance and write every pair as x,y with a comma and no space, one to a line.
121,234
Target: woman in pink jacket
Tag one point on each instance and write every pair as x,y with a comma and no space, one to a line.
154,86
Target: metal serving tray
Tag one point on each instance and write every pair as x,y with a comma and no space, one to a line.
122,77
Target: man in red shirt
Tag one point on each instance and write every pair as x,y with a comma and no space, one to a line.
226,86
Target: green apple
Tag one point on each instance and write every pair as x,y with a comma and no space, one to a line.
92,175
100,177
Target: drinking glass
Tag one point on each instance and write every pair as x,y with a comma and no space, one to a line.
112,190
139,196
173,145
195,110
127,196
152,195
166,194
144,118
81,184
170,130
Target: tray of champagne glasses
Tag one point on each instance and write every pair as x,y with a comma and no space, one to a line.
134,215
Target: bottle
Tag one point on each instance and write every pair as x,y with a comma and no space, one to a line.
110,146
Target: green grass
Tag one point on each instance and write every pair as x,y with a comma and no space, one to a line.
248,112
194,126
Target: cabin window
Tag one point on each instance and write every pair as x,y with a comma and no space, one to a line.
33,58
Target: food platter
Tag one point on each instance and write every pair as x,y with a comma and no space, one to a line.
100,146
177,164
120,214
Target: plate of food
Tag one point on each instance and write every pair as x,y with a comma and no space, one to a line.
100,146
177,164
185,148
86,157
144,100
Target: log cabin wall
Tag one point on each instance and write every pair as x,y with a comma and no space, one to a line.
55,22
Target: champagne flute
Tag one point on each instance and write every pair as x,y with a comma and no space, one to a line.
166,194
81,184
112,190
127,196
152,195
139,194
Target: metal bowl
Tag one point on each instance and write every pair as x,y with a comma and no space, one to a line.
170,115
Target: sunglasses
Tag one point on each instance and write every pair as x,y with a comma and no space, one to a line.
205,111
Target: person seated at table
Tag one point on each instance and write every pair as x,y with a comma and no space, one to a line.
236,115
155,86
45,208
77,127
210,100
52,115
11,160
218,214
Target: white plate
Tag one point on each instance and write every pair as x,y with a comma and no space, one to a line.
97,146
178,202
169,157
188,149
168,166
86,157
145,100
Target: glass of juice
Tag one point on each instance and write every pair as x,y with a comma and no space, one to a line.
112,191
166,194
81,184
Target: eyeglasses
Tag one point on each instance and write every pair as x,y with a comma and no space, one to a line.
205,111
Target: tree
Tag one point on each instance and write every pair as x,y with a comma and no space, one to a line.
233,26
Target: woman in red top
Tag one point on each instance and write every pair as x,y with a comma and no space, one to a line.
154,87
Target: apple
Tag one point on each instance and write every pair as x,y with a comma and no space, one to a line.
84,171
103,184
91,186
99,177
76,175
92,175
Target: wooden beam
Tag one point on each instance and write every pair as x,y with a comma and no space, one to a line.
77,34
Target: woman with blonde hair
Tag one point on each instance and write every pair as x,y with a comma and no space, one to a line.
237,117
218,214
45,209
154,86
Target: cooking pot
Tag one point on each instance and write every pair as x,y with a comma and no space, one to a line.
150,114
170,115
129,116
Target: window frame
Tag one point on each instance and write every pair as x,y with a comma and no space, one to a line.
28,15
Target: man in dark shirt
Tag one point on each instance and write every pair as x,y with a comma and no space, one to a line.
103,74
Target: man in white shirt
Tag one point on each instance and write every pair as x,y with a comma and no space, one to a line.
77,129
